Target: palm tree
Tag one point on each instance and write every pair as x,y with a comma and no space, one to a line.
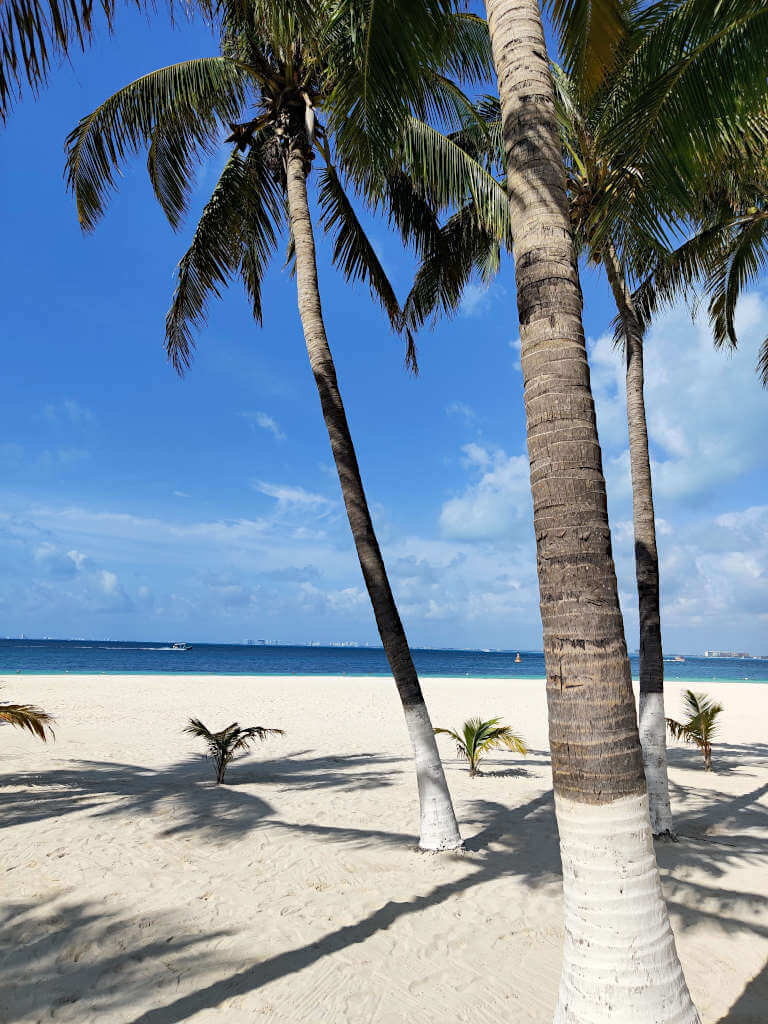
285,64
617,211
591,177
29,717
619,948
726,252
477,737
701,725
222,746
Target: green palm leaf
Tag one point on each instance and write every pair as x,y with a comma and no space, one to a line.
237,232
178,109
452,176
701,725
222,746
477,737
352,250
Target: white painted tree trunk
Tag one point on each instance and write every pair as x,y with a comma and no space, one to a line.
438,828
620,964
652,724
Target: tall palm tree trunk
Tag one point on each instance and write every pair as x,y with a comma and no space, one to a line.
653,726
439,830
619,961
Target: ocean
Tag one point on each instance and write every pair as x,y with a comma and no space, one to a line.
48,657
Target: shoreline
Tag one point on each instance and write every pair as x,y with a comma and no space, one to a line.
193,674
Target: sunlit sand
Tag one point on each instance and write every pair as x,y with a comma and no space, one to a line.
136,890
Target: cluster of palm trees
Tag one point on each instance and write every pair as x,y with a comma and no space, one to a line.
644,153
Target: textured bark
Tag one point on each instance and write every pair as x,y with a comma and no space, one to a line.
439,830
596,760
651,710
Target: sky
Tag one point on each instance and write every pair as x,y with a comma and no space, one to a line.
138,505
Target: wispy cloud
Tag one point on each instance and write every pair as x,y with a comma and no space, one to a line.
288,495
462,410
265,422
67,410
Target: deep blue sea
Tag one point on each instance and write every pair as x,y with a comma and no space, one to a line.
86,656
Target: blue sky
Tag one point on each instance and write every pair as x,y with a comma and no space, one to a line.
138,505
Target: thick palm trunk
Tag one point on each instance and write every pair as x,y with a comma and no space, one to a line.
439,830
620,962
653,726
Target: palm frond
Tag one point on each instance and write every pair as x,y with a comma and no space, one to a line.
353,253
35,35
589,32
237,232
674,100
178,111
451,177
477,737
460,248
29,717
398,43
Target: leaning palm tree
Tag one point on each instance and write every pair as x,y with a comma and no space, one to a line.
29,717
619,948
701,724
281,66
477,737
223,745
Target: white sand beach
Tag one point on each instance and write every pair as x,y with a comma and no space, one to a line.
135,890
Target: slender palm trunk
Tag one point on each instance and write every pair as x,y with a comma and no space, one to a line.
439,830
620,963
653,726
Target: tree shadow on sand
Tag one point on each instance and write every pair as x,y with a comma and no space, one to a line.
185,789
727,758
56,957
750,1007
513,841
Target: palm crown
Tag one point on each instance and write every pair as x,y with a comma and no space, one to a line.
307,74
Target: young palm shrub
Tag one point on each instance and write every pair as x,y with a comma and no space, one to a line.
222,746
27,716
477,737
700,726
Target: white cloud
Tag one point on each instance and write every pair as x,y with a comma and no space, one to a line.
462,410
265,422
497,505
288,495
707,413
181,494
477,298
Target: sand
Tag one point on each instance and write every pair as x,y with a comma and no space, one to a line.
135,890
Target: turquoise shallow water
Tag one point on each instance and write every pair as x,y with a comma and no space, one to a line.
82,656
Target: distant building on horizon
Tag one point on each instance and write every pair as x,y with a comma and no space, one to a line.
726,654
